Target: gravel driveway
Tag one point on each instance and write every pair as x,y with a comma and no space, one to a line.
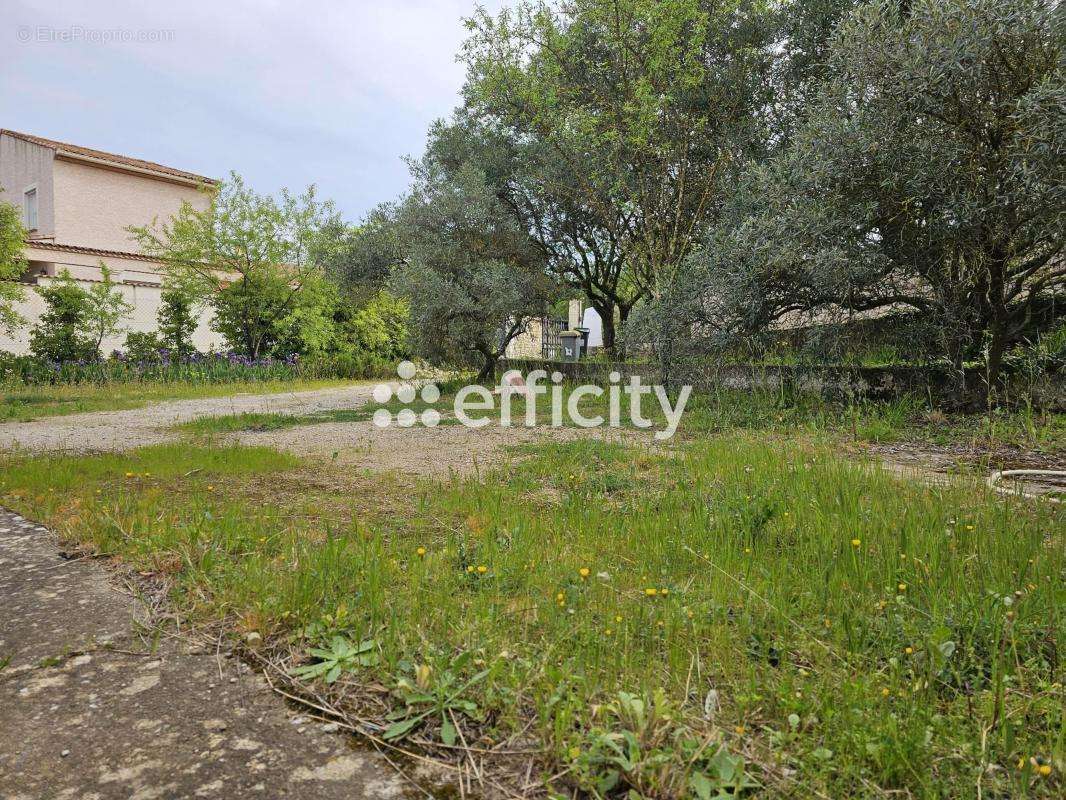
125,430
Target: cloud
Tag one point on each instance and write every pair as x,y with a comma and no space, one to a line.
284,93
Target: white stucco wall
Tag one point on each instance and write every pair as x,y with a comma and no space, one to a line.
94,205
22,165
85,269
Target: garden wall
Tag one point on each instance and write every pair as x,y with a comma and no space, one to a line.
940,386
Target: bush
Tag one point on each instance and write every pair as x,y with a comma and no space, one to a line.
143,347
60,336
378,330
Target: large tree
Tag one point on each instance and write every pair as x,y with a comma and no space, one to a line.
929,176
254,258
471,275
638,108
538,191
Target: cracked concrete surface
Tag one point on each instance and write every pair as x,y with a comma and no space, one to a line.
89,709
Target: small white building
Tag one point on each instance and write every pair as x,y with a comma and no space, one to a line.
77,204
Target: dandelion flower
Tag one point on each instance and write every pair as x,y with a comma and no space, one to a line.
739,730
664,592
650,592
482,569
1044,770
856,542
559,597
583,572
608,632
885,692
129,474
902,587
210,488
470,568
908,650
421,551
617,617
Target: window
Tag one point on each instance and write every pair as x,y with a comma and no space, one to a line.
31,209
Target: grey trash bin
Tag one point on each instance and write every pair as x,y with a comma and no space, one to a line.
572,342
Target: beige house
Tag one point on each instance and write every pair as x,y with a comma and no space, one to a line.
77,204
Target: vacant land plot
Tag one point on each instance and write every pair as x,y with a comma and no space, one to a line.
739,612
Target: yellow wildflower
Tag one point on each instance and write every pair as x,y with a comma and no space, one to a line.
1044,769
482,569
856,542
650,592
583,572
421,551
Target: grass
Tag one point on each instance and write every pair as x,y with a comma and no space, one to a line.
907,419
20,403
740,611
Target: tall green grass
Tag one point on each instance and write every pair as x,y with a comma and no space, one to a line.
861,634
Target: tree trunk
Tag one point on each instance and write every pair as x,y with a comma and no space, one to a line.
606,312
488,369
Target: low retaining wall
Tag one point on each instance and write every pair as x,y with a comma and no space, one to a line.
940,387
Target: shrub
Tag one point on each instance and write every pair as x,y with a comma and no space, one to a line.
60,335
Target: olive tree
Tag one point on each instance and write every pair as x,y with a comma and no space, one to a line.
929,176
470,275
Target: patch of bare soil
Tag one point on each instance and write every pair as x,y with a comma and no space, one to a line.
960,458
125,430
439,452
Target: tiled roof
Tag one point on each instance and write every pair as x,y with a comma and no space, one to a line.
91,251
86,152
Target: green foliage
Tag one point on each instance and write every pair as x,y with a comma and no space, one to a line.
12,265
62,332
640,106
926,174
178,317
105,308
250,256
816,657
378,329
341,656
470,275
143,347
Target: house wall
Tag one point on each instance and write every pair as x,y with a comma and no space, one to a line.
94,205
23,164
130,274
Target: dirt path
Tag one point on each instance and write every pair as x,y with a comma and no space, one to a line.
89,708
125,430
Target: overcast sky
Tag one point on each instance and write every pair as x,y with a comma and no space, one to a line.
285,93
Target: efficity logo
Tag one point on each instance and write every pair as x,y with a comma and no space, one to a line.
475,406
